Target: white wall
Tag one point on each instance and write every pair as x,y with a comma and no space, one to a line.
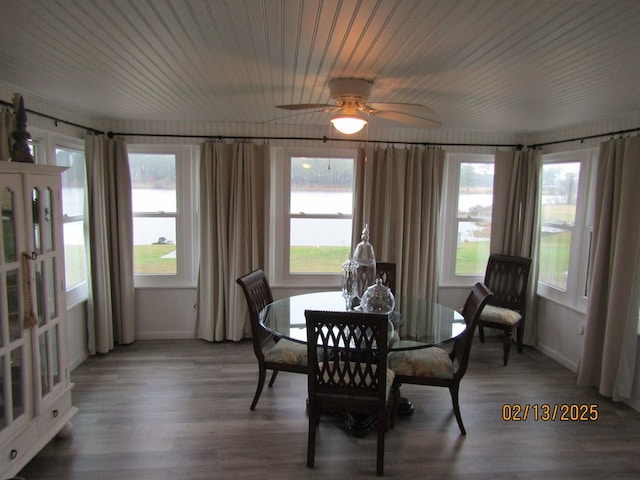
165,313
560,332
77,334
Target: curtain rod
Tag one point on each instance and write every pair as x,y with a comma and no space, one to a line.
55,119
582,139
324,138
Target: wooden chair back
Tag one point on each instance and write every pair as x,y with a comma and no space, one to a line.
347,354
480,295
507,277
386,271
258,294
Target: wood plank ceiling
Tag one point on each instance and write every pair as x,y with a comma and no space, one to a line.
484,65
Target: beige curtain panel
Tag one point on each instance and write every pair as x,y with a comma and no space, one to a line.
398,193
234,221
111,306
610,349
515,217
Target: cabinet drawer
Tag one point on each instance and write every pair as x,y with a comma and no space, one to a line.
17,451
54,414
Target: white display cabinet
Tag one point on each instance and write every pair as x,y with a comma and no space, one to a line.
35,394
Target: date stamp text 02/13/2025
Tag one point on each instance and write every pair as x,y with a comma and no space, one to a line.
546,412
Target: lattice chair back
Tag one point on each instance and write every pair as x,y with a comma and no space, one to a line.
348,371
507,277
386,271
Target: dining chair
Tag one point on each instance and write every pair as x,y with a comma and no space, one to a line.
348,371
386,271
282,355
436,366
507,277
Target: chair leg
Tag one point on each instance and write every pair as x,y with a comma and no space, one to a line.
262,374
311,441
481,333
394,402
273,378
380,451
506,346
519,336
453,389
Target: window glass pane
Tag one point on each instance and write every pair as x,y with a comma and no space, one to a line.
475,201
154,247
320,187
472,251
558,216
73,181
555,246
560,193
74,254
319,245
153,182
73,212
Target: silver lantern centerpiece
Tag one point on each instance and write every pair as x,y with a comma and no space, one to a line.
349,281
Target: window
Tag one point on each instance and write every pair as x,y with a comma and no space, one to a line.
317,211
559,198
161,198
565,231
74,181
468,203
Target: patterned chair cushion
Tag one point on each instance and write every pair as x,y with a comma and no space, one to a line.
288,352
426,362
500,315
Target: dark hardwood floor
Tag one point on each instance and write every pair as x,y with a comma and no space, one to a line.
180,410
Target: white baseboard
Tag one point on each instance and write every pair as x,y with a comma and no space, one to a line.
561,359
175,335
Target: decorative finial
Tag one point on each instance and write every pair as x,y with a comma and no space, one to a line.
365,233
20,151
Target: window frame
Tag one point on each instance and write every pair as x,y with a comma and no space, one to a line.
79,292
185,215
575,294
280,209
449,213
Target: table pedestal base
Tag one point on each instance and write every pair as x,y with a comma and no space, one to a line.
360,425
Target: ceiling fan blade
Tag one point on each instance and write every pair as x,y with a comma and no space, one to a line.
408,108
408,119
306,106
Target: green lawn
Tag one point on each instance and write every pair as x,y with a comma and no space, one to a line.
318,259
554,258
554,213
147,259
471,259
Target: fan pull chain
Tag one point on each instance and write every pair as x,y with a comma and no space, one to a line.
329,165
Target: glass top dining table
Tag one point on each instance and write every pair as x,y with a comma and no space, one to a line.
417,323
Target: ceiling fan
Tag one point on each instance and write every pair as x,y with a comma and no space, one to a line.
352,107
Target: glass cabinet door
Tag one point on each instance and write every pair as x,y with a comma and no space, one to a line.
14,338
46,242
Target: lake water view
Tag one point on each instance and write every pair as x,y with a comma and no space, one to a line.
305,232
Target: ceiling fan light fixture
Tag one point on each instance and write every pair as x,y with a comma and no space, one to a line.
348,124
